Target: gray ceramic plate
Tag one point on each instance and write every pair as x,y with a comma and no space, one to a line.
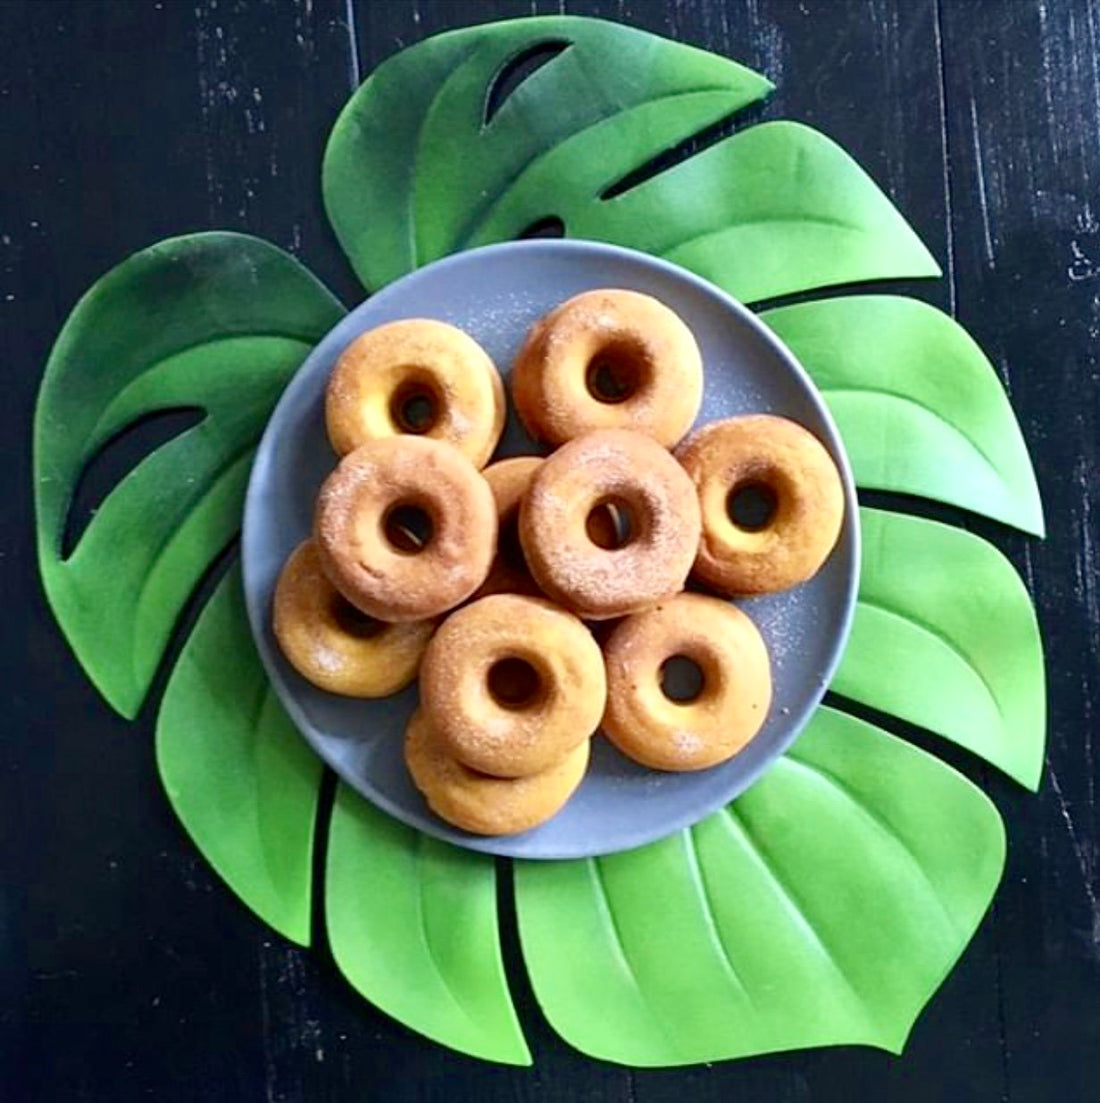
495,294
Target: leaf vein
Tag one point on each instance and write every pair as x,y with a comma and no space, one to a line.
423,841
920,405
620,947
942,637
702,885
780,220
884,828
793,905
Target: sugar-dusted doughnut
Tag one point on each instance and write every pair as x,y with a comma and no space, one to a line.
508,480
333,645
634,474
416,376
511,684
608,359
369,504
482,804
731,705
782,463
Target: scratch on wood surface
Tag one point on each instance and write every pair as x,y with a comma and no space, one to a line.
270,1070
1086,566
354,75
1086,590
206,104
768,39
290,1032
1085,852
945,158
1047,75
983,201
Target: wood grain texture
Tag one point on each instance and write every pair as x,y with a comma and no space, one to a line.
127,971
1023,87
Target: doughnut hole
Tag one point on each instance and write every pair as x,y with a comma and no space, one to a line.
617,372
351,621
611,524
408,527
416,406
515,684
752,505
682,679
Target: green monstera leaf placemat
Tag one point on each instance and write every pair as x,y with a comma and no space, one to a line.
828,902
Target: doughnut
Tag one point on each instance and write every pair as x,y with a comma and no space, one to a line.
369,505
416,376
633,473
511,684
508,480
334,646
487,805
731,705
795,480
608,360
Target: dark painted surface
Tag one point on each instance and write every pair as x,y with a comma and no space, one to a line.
127,971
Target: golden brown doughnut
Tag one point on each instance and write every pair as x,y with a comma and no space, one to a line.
608,360
634,473
789,464
330,643
511,684
416,376
664,734
508,480
482,804
372,492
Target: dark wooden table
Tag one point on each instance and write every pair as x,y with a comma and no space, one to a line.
128,970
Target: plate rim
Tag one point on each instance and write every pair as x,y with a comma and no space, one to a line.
497,845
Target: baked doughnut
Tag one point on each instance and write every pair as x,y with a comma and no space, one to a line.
333,645
416,376
608,360
633,473
789,468
368,505
511,684
731,705
482,804
508,480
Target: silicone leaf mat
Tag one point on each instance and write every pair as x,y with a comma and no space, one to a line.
413,171
823,907
945,636
218,321
239,776
412,924
919,406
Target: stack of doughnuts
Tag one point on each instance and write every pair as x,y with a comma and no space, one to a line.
543,599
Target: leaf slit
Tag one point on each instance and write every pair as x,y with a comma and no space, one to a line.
115,459
681,151
550,226
196,602
516,70
326,801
